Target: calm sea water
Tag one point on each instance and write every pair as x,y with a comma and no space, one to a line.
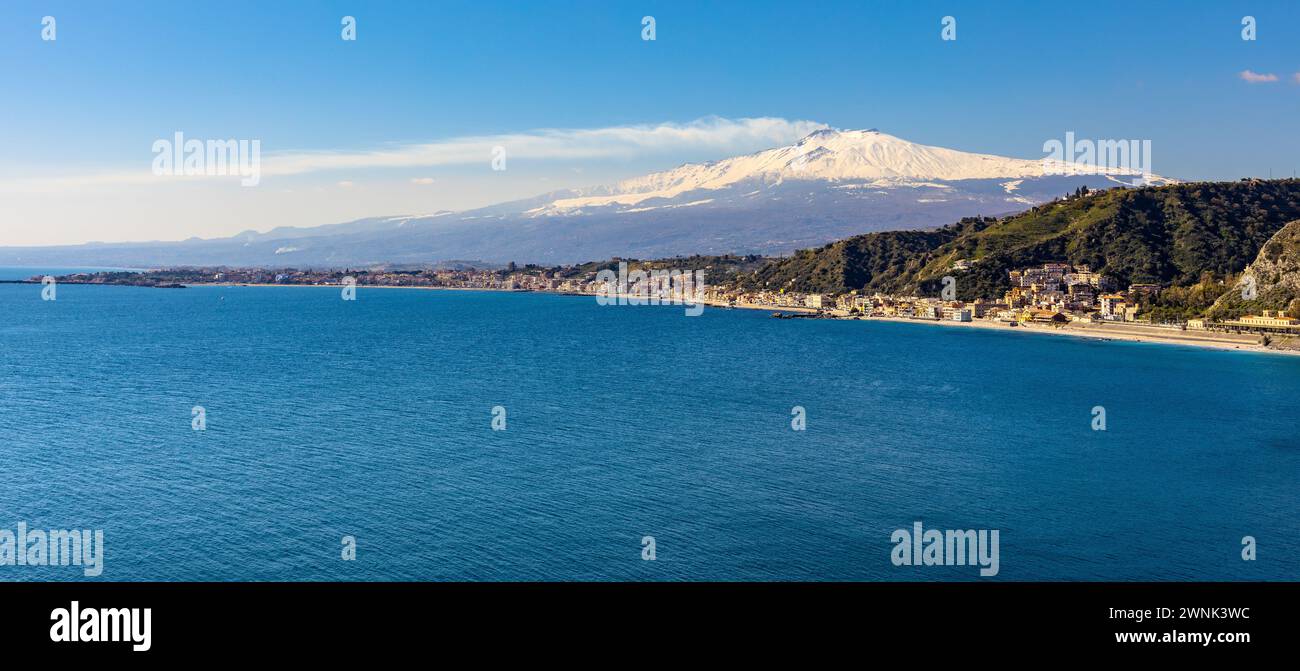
372,419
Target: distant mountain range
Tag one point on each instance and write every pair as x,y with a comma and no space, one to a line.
829,185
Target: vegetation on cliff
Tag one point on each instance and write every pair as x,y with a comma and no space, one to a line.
1195,237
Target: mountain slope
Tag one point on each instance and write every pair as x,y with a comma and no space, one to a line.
1275,273
829,185
1171,235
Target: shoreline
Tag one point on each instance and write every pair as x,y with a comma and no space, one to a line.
1157,336
1116,332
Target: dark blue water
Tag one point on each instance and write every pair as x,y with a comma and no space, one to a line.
372,418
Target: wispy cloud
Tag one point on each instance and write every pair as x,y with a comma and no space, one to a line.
724,136
1257,78
556,144
1296,77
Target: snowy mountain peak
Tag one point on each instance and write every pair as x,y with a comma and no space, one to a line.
866,157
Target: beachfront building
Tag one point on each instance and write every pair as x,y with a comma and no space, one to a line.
928,308
1112,306
980,309
1271,320
854,302
1050,317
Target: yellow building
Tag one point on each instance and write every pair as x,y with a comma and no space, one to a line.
1270,319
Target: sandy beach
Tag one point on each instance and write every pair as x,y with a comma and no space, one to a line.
1125,332
1118,331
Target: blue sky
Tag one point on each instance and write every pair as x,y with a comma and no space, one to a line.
121,75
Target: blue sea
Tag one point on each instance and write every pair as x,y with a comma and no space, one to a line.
373,419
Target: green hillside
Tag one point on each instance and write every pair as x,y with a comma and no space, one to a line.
1174,235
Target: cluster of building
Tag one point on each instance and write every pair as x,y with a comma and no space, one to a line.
1076,291
1051,293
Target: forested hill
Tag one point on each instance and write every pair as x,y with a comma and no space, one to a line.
1171,235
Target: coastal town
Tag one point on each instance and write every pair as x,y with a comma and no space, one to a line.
1050,294
1053,293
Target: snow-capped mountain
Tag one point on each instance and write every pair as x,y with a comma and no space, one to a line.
847,159
829,185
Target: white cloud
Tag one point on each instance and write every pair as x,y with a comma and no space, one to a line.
724,136
557,144
423,181
1257,78
346,184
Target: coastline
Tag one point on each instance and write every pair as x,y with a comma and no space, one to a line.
1125,333
359,286
1117,332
